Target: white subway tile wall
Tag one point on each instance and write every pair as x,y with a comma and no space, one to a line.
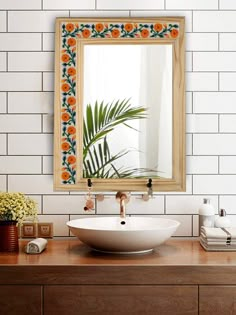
26,107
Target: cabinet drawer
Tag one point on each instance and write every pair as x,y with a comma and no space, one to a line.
217,300
20,299
117,300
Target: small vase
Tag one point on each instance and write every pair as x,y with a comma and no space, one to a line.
8,236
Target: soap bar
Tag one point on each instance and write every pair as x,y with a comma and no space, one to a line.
36,246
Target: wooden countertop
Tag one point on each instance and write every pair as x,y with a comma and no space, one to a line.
73,252
71,262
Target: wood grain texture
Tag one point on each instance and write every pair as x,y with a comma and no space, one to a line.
217,300
117,300
20,300
178,262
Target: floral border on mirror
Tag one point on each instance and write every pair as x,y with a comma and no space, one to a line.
70,33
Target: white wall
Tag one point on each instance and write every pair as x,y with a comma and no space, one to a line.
26,105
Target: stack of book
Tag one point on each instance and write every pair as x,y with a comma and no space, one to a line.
218,239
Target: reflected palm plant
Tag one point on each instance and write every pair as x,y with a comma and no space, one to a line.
99,121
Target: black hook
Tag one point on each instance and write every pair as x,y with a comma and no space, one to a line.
90,183
149,184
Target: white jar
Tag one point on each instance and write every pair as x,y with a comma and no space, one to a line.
206,214
222,221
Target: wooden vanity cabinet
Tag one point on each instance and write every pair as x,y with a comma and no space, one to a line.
120,300
21,299
68,279
217,300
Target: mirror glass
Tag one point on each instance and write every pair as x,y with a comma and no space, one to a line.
127,110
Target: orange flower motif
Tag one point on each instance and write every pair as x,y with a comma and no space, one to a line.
128,27
145,33
65,58
86,33
65,87
71,100
65,117
158,27
71,71
71,130
70,27
174,33
71,159
71,41
65,146
65,175
99,27
115,33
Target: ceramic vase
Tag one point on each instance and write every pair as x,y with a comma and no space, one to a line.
8,236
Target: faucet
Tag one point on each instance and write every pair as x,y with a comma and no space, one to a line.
122,198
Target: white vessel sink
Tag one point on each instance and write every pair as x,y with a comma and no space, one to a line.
137,235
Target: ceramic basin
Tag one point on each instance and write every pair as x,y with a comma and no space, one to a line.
137,235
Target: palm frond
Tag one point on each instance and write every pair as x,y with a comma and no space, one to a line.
98,160
98,122
102,119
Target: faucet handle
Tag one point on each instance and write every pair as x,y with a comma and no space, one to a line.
121,195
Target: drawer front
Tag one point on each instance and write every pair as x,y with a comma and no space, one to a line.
117,300
20,299
217,300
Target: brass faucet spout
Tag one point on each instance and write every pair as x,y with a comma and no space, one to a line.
122,198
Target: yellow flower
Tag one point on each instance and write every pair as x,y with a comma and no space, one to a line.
17,207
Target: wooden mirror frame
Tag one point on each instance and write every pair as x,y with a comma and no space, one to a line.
71,34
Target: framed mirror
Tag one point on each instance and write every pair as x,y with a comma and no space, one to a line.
119,104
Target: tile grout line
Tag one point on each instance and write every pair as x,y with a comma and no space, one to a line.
7,102
165,204
219,165
192,225
192,21
192,107
42,165
144,10
6,21
7,183
219,124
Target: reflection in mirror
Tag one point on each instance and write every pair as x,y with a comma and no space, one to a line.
127,108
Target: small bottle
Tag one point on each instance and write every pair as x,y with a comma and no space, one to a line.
206,214
222,221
